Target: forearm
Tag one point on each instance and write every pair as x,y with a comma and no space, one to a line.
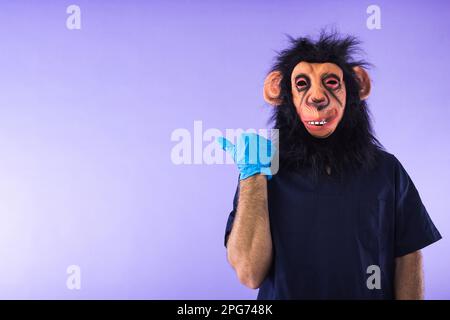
409,283
250,243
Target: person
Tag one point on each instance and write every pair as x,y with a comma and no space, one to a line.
341,219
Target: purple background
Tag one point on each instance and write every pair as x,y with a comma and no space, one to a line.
86,117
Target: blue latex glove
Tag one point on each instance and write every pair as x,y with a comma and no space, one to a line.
252,154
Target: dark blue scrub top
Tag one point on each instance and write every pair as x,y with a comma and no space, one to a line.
326,234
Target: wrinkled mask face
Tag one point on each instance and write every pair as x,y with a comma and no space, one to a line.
319,95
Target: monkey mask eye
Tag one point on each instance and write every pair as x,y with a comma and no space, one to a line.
302,83
332,82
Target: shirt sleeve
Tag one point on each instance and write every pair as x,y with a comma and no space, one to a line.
231,216
414,229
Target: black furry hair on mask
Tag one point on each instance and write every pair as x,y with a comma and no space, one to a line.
352,146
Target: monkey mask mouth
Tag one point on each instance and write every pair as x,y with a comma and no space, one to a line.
322,122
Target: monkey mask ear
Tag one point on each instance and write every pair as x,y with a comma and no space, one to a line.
364,82
272,88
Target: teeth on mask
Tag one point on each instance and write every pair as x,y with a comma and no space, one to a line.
317,123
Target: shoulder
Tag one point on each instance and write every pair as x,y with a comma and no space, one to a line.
391,167
388,161
386,156
384,174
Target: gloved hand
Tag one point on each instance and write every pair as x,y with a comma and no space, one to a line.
252,154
